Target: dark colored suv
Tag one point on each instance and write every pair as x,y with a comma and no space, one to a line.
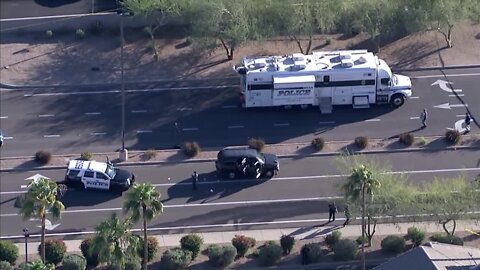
246,162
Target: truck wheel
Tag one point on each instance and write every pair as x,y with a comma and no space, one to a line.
397,100
231,175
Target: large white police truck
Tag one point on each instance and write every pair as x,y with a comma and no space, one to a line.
324,79
98,175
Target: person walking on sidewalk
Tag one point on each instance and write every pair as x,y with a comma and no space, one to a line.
347,216
332,210
468,120
194,180
424,117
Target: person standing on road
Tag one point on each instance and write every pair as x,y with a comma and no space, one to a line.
332,210
347,216
194,180
468,120
424,117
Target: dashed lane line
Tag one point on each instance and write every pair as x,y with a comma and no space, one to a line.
373,120
281,125
184,109
457,95
98,133
139,111
51,136
414,97
414,118
189,129
8,138
3,117
46,115
144,131
232,127
93,113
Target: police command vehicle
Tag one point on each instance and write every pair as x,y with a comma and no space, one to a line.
98,175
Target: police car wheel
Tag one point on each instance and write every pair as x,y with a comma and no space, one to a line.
269,174
397,100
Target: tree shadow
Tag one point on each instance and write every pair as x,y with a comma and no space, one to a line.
55,3
27,165
325,231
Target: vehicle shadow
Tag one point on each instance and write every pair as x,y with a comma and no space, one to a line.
77,197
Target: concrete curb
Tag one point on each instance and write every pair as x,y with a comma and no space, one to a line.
435,68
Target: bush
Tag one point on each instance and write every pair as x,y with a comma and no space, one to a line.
415,235
54,251
287,242
87,252
152,248
360,238
333,238
361,142
86,156
149,154
345,250
37,265
74,262
318,143
393,244
313,252
447,239
256,143
407,139
422,141
49,33
8,252
191,149
43,157
175,259
452,136
193,243
242,243
328,41
133,263
4,265
270,254
80,34
221,255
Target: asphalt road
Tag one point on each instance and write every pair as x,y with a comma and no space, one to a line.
38,8
297,196
73,120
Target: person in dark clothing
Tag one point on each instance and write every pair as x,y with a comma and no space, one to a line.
304,252
332,210
468,120
424,117
194,180
347,216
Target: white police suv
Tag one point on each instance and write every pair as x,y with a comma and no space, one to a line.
98,175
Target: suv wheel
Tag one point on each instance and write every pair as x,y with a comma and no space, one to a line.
269,174
231,175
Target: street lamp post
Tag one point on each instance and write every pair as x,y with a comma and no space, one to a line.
25,233
123,152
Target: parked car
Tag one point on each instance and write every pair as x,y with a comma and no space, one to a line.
246,162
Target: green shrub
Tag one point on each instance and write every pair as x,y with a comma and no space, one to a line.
452,136
345,250
360,238
318,143
37,265
90,255
313,252
287,242
74,262
193,243
270,254
407,139
447,239
175,259
242,243
149,154
221,255
422,141
191,149
361,142
8,252
152,248
80,34
256,143
54,251
4,265
328,41
86,156
416,235
43,157
49,33
133,263
333,238
393,244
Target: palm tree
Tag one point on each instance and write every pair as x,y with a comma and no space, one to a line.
41,198
362,182
114,241
143,200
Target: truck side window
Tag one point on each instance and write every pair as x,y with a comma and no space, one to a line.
385,81
88,174
73,173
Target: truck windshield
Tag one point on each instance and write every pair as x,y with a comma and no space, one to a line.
110,171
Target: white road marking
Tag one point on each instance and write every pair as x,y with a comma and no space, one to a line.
446,86
235,126
144,131
93,113
414,118
46,115
98,133
447,75
460,115
189,129
139,111
3,117
184,109
414,97
23,186
327,123
229,106
281,125
8,138
51,136
373,120
450,106
458,95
